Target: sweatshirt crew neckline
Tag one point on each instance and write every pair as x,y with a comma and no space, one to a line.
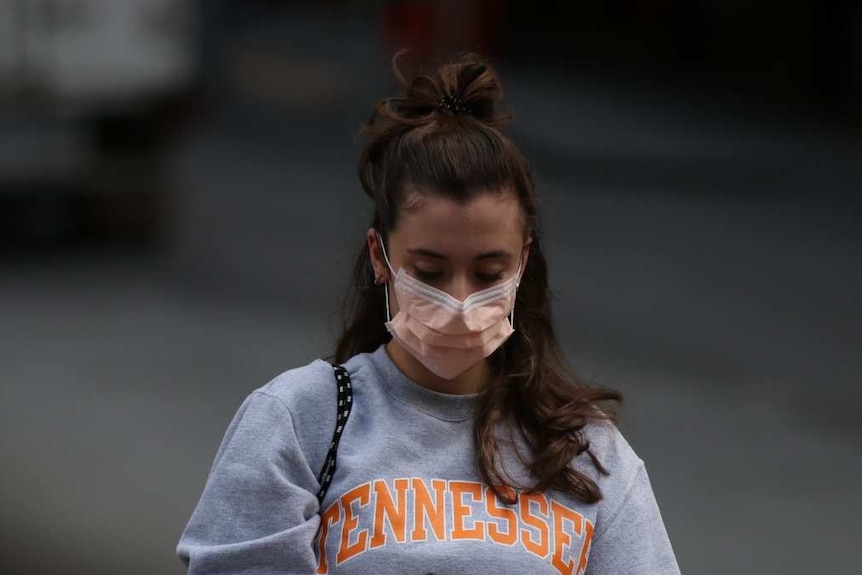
445,406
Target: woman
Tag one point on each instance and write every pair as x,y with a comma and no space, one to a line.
466,447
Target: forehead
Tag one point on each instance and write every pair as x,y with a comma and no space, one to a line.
488,221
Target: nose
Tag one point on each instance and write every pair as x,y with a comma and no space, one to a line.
460,287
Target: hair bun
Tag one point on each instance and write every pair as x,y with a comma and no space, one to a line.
463,86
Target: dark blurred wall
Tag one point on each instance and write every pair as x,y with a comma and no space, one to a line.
800,51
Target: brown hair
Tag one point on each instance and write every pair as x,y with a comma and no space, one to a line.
446,136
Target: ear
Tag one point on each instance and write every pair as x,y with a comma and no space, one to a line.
375,252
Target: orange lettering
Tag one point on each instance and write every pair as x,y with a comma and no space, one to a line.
332,515
385,509
563,539
460,512
540,547
346,550
424,508
505,514
585,548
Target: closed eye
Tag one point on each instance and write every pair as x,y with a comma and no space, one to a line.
427,276
489,278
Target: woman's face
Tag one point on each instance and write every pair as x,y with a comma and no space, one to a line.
458,248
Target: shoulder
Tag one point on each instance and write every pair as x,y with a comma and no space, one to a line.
622,465
629,532
308,396
300,387
612,449
302,401
626,485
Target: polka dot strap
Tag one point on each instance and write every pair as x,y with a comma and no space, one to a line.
345,403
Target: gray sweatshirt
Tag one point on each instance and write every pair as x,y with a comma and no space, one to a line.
406,497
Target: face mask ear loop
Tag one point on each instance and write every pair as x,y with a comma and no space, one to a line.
517,285
386,290
385,256
386,285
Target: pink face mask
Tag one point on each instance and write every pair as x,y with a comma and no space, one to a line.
446,335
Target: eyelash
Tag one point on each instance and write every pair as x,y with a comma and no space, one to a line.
483,278
489,278
428,276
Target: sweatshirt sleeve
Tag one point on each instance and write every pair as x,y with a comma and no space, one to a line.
633,539
258,511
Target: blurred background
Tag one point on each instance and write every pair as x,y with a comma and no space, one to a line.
179,212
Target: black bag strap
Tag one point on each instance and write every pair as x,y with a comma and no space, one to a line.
345,403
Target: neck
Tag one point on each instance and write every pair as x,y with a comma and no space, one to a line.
471,381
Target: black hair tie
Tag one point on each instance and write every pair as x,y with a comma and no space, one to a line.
454,104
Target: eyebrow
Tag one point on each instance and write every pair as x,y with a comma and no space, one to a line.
484,256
